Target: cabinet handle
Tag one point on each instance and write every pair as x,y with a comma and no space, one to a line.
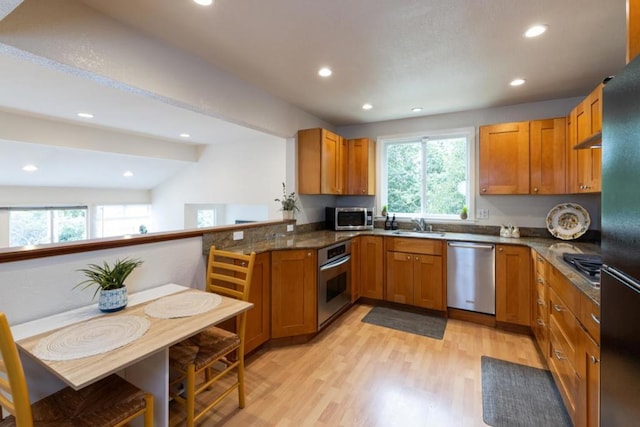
540,322
364,191
540,302
558,354
408,257
558,308
417,258
500,250
539,258
535,189
484,190
308,253
540,280
595,318
594,360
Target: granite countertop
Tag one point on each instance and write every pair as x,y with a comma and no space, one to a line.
550,249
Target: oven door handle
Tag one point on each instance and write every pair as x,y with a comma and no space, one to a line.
335,264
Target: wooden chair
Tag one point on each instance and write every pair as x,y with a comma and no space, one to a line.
109,402
228,274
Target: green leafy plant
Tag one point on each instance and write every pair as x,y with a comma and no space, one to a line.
288,201
106,277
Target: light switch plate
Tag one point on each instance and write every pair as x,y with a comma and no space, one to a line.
238,235
289,227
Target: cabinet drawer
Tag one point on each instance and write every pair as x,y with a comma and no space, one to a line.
565,290
563,371
541,265
590,317
542,310
416,246
564,324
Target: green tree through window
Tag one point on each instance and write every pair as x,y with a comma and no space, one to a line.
427,176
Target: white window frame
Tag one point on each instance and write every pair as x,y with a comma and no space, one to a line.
467,132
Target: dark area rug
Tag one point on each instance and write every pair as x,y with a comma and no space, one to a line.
407,321
520,396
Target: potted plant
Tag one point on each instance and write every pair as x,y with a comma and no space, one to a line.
289,203
463,213
109,282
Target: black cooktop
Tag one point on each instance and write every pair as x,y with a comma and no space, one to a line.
588,265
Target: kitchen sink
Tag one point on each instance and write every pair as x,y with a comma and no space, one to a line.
417,233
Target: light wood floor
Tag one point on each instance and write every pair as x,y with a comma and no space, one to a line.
357,374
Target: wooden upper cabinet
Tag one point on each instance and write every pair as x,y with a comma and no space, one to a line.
548,156
361,177
322,157
504,158
333,168
585,165
633,29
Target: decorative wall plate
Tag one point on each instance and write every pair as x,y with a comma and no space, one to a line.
568,221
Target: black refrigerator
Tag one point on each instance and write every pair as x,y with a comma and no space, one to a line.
620,288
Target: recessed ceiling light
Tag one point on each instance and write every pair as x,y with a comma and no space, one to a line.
536,30
204,2
30,168
325,72
85,115
367,107
416,109
128,174
517,82
185,135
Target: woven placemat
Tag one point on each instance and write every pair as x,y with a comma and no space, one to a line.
184,304
92,337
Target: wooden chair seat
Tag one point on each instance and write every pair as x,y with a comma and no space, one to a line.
203,349
105,403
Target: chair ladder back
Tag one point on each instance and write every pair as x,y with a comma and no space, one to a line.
15,383
230,268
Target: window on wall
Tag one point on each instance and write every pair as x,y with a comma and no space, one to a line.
206,218
40,225
117,220
428,175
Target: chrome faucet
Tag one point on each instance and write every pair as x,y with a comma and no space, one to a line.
421,225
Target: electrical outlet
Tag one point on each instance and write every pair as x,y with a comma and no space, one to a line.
238,235
289,227
483,213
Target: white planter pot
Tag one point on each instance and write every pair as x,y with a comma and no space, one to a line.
288,215
113,300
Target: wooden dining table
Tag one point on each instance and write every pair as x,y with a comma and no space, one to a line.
143,362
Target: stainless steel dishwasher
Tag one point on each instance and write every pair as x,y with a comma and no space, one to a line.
471,283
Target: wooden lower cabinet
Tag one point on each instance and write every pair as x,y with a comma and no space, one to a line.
415,278
588,404
371,270
540,302
513,284
293,293
258,329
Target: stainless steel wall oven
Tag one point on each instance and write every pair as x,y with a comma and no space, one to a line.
334,280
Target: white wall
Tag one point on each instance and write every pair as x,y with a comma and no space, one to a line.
524,211
236,173
36,288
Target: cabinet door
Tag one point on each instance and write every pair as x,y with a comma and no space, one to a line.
588,406
428,283
371,267
361,167
504,158
257,329
356,256
399,277
293,293
547,151
333,163
513,284
572,155
588,164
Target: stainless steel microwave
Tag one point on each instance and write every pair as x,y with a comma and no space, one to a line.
348,219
